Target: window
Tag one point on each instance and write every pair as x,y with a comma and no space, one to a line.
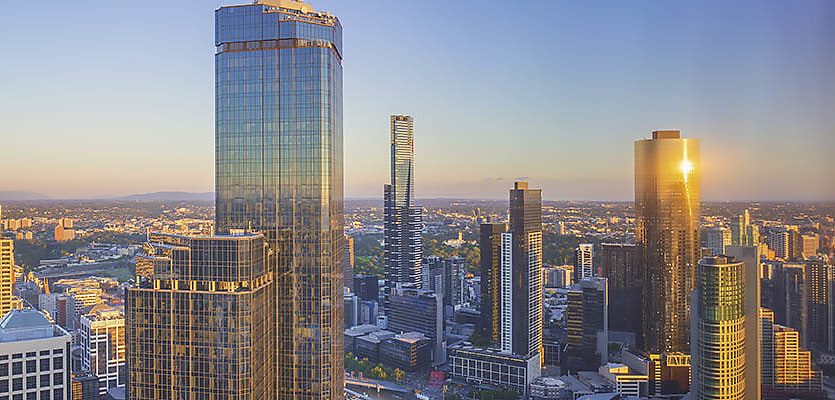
4,386
4,370
31,366
58,362
45,395
32,396
57,378
17,368
44,380
31,354
31,382
17,384
44,364
58,394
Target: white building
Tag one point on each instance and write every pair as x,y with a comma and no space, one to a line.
583,261
103,331
34,357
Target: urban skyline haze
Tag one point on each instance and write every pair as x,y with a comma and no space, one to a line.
539,94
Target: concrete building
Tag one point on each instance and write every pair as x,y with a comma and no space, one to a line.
559,276
7,277
64,231
416,310
786,366
587,325
479,366
103,346
34,357
627,382
584,261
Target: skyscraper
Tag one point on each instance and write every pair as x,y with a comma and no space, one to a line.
667,230
619,265
201,326
820,282
718,327
753,330
279,171
716,239
348,263
521,273
786,366
402,247
6,275
587,326
791,298
103,346
584,261
490,246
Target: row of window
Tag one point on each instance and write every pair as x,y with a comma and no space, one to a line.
17,367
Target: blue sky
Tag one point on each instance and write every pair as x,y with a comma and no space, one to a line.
117,97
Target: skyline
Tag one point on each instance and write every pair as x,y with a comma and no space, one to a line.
752,86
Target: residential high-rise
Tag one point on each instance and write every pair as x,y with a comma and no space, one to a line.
753,277
667,208
279,171
716,239
718,329
584,261
38,354
809,245
402,223
490,246
348,263
6,275
103,346
820,283
202,325
619,265
64,231
786,367
587,325
791,298
521,273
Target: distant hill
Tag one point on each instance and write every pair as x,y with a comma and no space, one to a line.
171,196
21,196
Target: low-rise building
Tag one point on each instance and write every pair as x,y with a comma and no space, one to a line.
490,366
34,357
626,381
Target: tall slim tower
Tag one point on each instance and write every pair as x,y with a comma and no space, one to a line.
667,231
278,163
583,261
490,246
6,275
521,270
718,348
402,220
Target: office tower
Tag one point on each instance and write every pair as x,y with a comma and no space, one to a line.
718,346
351,309
85,386
559,277
738,230
716,239
402,225
489,247
587,325
103,346
667,230
6,275
279,171
64,231
752,236
521,273
786,367
348,263
367,287
820,281
444,276
38,354
417,310
201,326
795,250
753,294
809,245
619,265
791,298
778,241
584,261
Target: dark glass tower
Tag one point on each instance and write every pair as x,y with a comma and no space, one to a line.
490,247
667,232
279,172
522,273
402,220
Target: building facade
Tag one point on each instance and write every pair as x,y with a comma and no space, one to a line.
402,221
202,324
821,306
718,328
103,346
667,208
415,310
587,325
521,273
279,172
35,360
479,366
787,370
619,265
584,261
7,277
490,246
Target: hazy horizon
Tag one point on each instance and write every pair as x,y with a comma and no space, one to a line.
546,96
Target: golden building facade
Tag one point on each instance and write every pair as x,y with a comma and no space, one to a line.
787,369
667,232
6,275
202,325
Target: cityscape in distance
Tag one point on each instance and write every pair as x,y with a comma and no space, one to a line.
400,202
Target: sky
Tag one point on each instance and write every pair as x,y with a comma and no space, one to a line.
116,98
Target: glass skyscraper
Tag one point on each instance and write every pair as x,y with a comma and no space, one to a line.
667,231
402,220
279,167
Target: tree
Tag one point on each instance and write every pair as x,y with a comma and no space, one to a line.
399,374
